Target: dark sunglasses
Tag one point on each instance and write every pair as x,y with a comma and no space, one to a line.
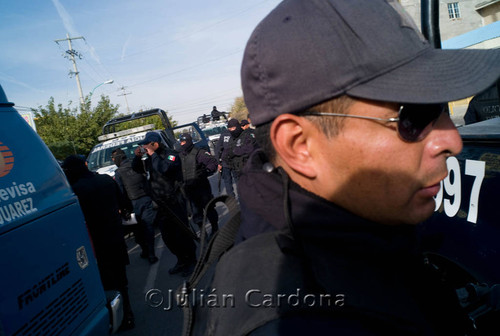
413,119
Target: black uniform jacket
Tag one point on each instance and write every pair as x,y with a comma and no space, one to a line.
322,271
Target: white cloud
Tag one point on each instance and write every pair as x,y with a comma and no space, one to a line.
65,17
70,27
124,48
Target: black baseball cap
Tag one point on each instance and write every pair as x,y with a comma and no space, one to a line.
233,123
150,137
185,137
306,52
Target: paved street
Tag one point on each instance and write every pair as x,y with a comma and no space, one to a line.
155,280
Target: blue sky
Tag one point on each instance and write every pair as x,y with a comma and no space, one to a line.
181,56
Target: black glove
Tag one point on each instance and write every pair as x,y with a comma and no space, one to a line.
126,215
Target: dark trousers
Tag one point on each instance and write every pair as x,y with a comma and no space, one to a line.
229,176
175,237
114,277
199,198
145,215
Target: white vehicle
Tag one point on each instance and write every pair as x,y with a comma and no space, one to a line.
212,128
213,132
99,159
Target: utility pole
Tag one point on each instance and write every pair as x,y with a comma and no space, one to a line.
125,95
72,54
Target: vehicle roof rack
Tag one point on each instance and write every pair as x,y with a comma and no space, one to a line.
114,135
109,127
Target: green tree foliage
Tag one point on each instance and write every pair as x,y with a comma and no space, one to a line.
239,109
68,131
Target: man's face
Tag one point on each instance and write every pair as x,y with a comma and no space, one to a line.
151,147
368,170
232,128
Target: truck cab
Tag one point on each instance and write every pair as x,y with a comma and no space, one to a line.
50,281
99,159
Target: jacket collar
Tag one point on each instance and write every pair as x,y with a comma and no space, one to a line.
314,219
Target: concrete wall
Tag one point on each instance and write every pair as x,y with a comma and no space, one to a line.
491,13
470,17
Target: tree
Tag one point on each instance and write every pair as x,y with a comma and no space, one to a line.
89,123
69,131
239,109
54,125
66,132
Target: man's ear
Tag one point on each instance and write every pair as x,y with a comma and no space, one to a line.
291,138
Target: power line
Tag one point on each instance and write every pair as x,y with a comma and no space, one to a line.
101,66
201,102
188,68
202,29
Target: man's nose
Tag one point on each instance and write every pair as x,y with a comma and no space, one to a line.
445,137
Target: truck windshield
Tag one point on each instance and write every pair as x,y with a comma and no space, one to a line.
214,131
101,156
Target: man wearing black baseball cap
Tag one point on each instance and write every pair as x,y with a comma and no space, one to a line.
162,168
347,97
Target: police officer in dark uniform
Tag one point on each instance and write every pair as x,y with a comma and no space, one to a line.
241,144
215,114
224,165
485,105
133,185
163,171
197,165
245,124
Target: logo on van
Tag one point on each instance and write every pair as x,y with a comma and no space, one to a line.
6,160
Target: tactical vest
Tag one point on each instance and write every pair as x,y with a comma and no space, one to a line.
132,181
238,162
191,171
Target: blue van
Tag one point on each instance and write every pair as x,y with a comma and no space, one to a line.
50,282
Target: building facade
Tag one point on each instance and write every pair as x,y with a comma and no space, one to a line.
457,17
463,24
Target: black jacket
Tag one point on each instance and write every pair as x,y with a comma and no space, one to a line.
130,182
484,105
164,174
101,200
197,166
222,146
377,282
239,149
